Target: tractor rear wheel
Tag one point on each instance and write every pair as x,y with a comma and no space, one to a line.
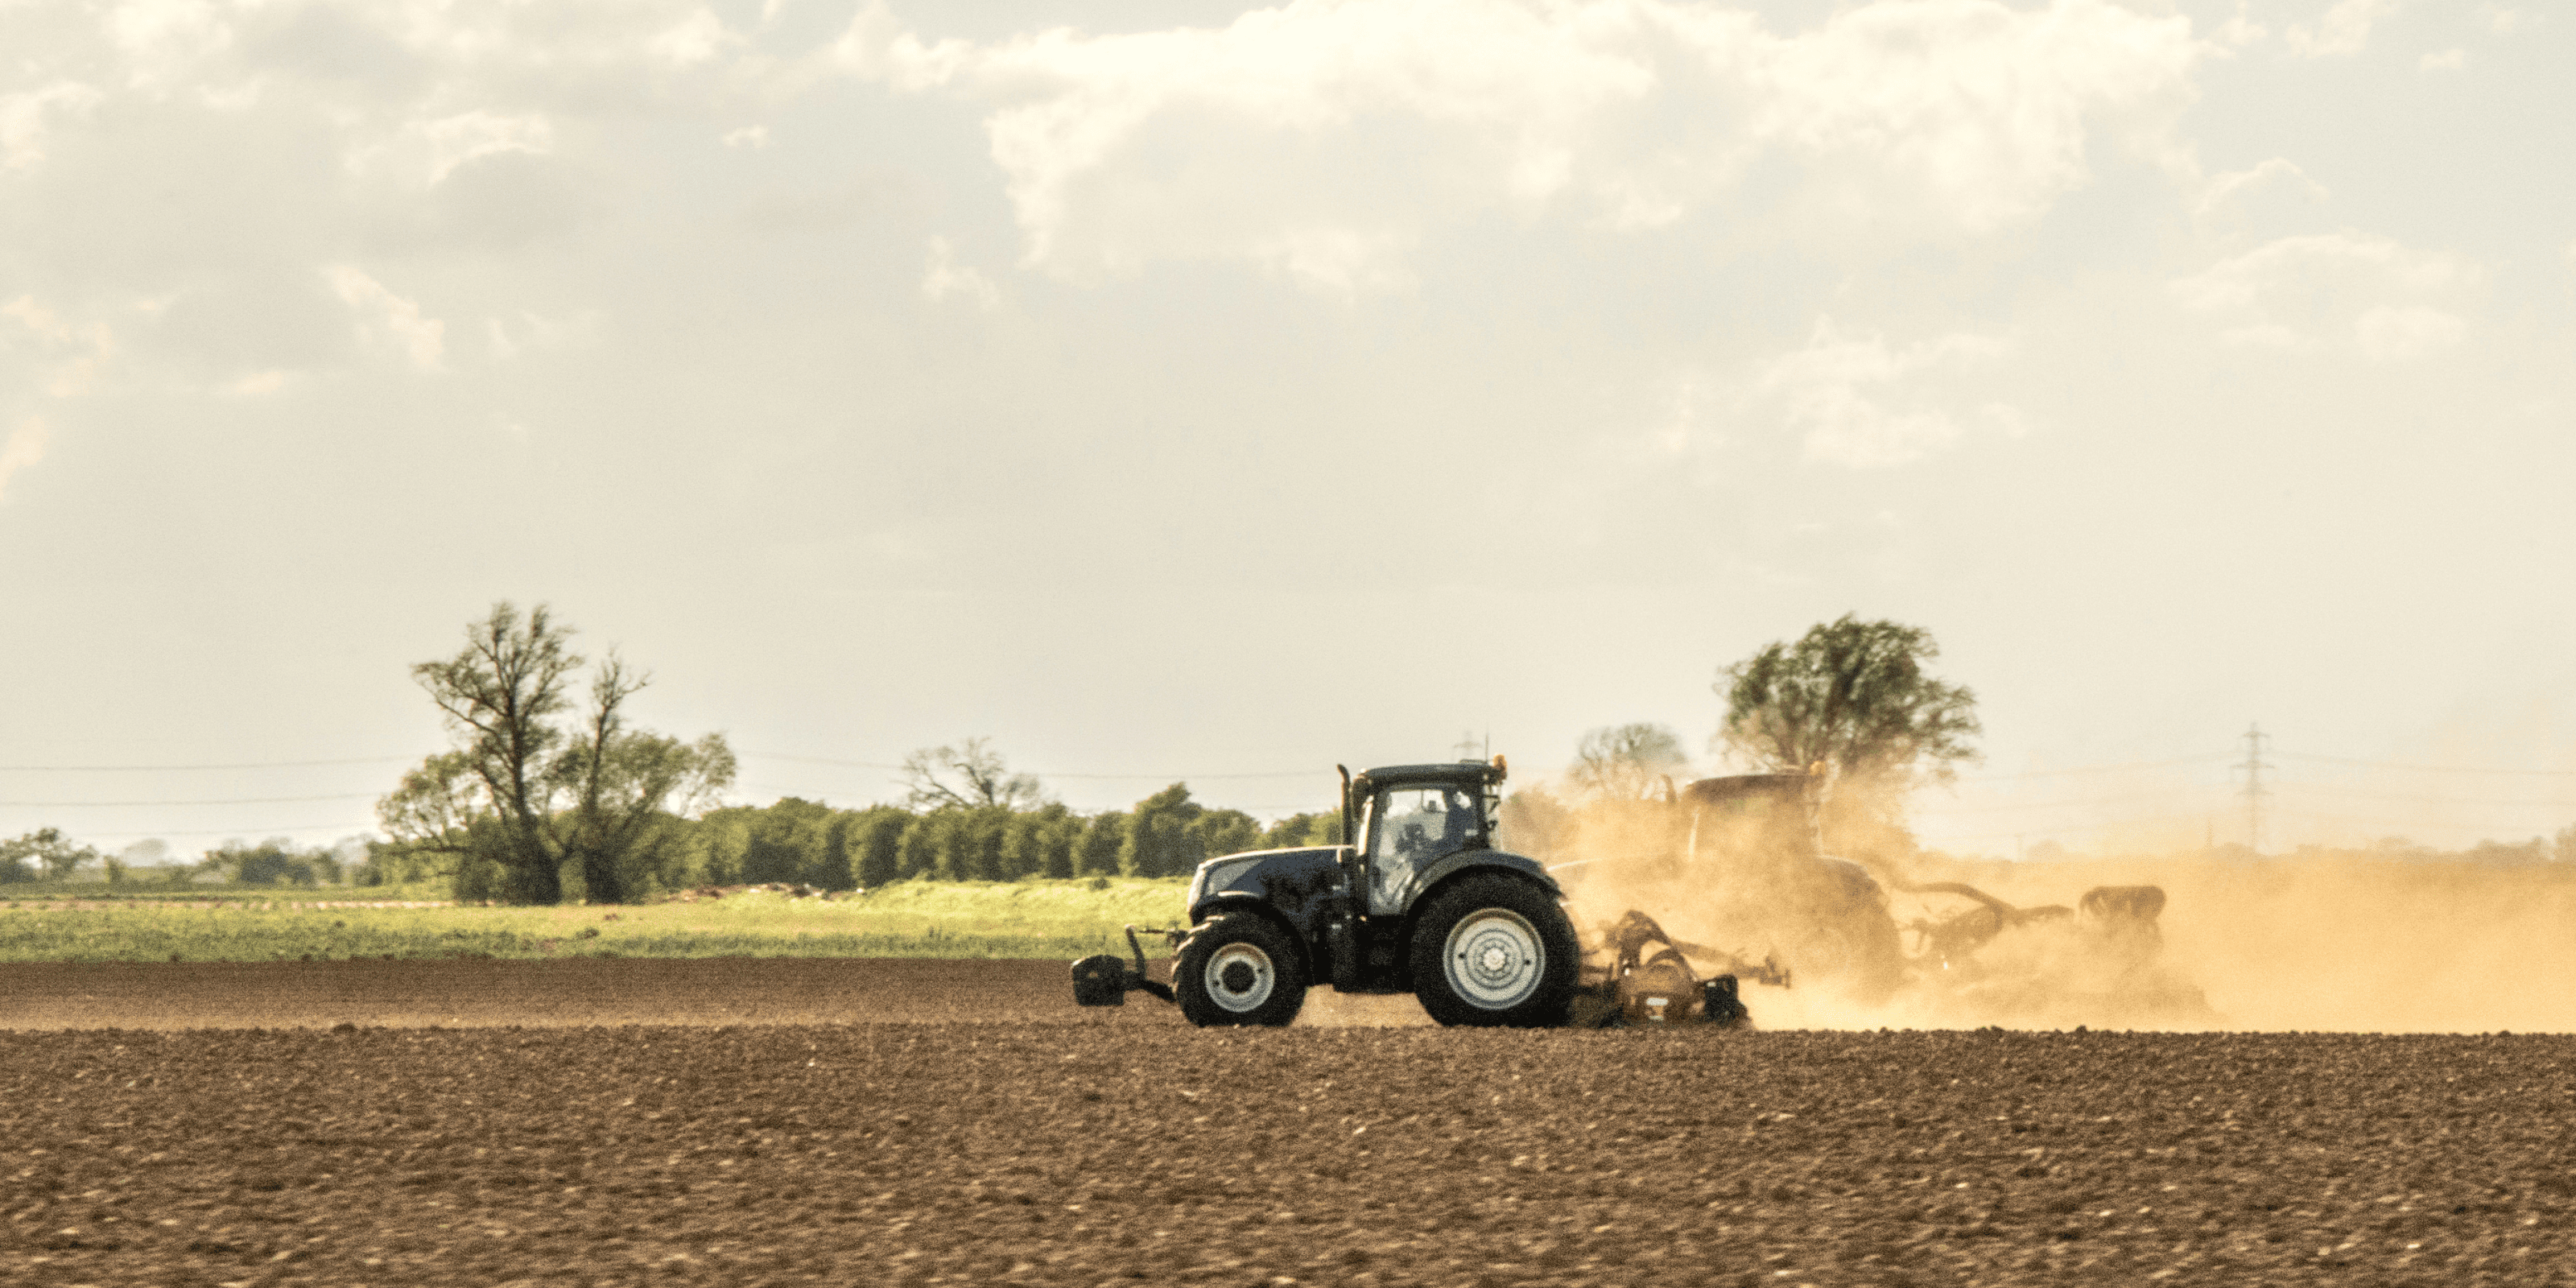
1495,951
1239,968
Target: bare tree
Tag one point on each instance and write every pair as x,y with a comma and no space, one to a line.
970,775
531,789
1626,762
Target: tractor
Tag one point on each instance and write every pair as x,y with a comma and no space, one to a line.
1423,903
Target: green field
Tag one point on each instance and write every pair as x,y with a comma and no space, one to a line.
92,923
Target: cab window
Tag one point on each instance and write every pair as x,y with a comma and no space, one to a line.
1411,826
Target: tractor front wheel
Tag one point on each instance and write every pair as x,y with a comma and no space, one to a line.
1495,951
1239,968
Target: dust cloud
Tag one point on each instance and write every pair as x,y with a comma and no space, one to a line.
2356,944
2344,941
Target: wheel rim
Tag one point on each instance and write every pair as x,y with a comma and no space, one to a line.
1239,977
1494,959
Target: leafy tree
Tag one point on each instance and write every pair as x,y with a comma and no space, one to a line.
1095,852
1062,839
916,849
872,843
1224,831
56,856
1039,842
1158,840
711,850
789,842
966,844
392,863
1627,762
1322,828
1854,697
274,862
534,785
979,856
970,775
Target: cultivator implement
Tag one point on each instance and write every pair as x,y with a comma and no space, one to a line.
1639,975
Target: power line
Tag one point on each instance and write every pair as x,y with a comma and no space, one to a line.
2058,831
1936,811
818,760
2322,816
271,829
1318,805
2432,800
264,764
1042,773
241,800
2423,769
2087,769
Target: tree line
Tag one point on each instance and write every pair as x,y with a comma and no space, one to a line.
47,855
802,842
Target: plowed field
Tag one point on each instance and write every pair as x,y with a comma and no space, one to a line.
819,1122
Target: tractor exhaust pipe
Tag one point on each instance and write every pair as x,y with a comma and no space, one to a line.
1345,837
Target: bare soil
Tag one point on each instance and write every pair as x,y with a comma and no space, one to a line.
918,1122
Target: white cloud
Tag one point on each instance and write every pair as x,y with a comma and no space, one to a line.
25,447
2270,182
2449,60
1986,106
2344,30
44,358
2395,333
26,118
426,151
258,384
526,333
2336,291
944,278
1325,139
75,352
387,320
749,136
2238,31
696,39
165,40
1858,401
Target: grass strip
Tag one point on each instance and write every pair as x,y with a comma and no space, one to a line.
911,919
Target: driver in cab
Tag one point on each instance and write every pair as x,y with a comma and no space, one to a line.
1444,824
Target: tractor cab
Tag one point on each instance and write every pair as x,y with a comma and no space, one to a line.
1410,817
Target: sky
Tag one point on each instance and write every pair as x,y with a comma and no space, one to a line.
1168,389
